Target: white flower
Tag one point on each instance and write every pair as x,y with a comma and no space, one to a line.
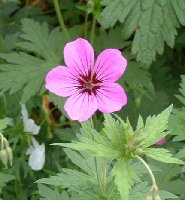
36,151
37,155
29,124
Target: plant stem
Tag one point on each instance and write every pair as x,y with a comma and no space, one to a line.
110,193
149,171
95,162
86,25
93,30
60,18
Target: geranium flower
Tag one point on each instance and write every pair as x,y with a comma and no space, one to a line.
89,86
29,124
37,155
37,152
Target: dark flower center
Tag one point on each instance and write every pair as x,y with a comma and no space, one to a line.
89,83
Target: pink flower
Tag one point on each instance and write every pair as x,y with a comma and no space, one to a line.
89,86
161,141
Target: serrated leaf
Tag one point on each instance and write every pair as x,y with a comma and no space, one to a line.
162,155
5,178
142,84
5,122
48,194
111,39
68,178
27,72
153,21
166,195
125,177
177,124
96,149
154,128
182,90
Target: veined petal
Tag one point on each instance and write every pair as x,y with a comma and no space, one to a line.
61,81
110,65
81,106
111,97
79,55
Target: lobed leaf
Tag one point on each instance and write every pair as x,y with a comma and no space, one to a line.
162,155
152,21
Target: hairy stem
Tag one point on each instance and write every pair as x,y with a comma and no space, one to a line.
149,171
60,18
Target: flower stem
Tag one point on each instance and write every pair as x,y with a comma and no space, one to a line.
86,25
95,162
93,30
149,171
60,18
111,192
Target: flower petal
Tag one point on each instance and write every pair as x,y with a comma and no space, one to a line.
111,97
79,55
81,106
37,158
61,81
29,124
110,65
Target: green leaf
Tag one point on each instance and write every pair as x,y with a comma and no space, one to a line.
182,90
139,191
27,72
5,178
125,177
154,128
152,21
177,124
111,39
69,178
116,10
48,194
5,122
166,195
142,84
162,155
96,149
93,142
177,119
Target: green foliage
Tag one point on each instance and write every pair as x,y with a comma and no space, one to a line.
162,155
154,127
125,177
120,142
26,72
5,178
177,119
4,123
152,21
48,194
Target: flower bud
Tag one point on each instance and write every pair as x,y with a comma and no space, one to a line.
3,157
9,154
